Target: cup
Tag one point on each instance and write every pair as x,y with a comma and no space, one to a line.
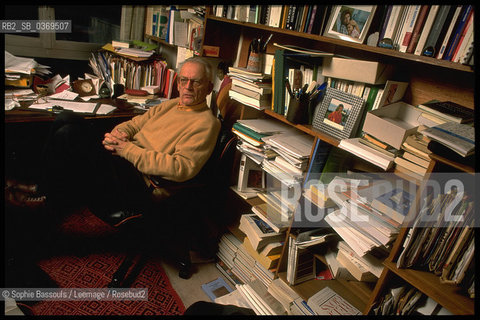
255,62
297,111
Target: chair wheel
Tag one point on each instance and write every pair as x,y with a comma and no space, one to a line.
185,271
115,283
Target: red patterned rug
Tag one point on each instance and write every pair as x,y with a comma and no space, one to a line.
94,270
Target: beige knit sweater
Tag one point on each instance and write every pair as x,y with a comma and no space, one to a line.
171,141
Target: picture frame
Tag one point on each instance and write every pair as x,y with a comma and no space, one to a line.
338,114
356,30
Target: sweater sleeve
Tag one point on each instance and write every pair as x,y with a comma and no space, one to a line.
190,154
133,126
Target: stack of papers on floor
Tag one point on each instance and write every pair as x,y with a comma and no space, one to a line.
260,300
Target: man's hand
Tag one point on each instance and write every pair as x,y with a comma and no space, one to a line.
115,141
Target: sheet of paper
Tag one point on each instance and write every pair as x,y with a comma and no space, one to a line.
64,95
80,107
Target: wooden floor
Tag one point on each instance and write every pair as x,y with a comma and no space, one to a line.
190,291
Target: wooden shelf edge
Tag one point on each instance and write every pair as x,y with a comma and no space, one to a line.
305,128
358,296
447,295
451,163
157,39
353,45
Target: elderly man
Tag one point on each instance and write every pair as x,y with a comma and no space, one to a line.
172,140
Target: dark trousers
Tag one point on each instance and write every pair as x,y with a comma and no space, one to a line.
79,171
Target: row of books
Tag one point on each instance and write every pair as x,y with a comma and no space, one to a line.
302,18
177,25
250,88
274,297
281,151
406,300
439,31
116,69
441,245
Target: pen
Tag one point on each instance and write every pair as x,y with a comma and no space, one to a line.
289,88
266,42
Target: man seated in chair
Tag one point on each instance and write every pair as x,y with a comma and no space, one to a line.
172,140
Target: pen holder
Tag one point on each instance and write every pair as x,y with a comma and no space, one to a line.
255,62
297,111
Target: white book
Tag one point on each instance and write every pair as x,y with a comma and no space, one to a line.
368,261
441,51
408,27
376,157
275,15
393,21
328,302
271,304
398,32
426,29
467,39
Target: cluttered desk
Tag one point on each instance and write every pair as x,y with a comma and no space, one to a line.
32,96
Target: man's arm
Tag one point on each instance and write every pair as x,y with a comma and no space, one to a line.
190,154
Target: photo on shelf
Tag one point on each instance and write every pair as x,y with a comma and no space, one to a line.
338,114
350,23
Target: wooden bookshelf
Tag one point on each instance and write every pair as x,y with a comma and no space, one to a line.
448,295
355,292
428,78
342,47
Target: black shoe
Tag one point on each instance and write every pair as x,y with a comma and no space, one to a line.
21,273
121,217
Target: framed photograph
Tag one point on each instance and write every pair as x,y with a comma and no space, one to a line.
338,114
350,22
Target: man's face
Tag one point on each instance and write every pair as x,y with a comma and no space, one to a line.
192,84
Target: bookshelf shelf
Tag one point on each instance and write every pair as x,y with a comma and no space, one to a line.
453,164
449,296
355,292
305,128
161,41
428,78
345,45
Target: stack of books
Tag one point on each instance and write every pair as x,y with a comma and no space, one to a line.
251,88
437,112
301,265
260,300
415,159
262,244
293,149
444,246
374,231
452,140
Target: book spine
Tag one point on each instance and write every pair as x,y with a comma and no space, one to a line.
462,42
408,27
456,36
393,22
437,27
385,22
432,13
422,15
449,31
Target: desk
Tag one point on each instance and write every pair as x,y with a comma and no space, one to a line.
26,131
123,112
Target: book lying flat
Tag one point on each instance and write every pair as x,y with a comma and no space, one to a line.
328,302
458,137
449,110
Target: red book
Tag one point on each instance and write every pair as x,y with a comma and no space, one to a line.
417,29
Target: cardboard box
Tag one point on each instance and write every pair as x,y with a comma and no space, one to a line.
392,123
357,70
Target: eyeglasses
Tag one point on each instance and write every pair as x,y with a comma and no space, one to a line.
184,82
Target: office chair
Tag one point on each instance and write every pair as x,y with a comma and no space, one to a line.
193,217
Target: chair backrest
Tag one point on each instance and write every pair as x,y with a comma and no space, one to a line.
219,165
